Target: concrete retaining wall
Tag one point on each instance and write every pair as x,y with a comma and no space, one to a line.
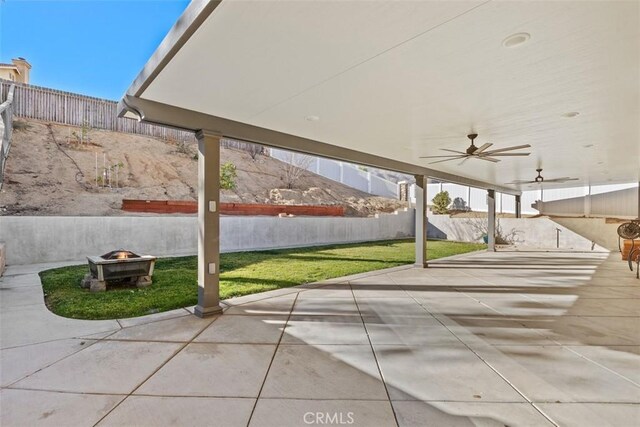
3,257
44,239
576,233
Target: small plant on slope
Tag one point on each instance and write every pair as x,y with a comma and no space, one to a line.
441,203
228,176
294,167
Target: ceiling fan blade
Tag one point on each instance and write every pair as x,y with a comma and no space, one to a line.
453,151
464,160
504,154
515,147
483,147
447,160
434,157
521,181
489,159
563,179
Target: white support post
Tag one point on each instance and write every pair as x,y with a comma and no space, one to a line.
587,202
421,221
491,220
208,224
639,200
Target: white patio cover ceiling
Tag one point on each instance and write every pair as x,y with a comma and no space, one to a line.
403,79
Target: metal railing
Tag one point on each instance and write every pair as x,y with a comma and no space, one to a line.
6,118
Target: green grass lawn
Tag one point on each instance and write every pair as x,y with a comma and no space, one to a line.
241,273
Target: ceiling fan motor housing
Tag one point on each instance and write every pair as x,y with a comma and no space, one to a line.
539,178
472,149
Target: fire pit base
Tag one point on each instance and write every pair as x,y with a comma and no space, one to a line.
143,282
95,285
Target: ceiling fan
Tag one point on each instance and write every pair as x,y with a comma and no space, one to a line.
540,179
478,152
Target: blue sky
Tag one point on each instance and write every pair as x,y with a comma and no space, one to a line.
91,47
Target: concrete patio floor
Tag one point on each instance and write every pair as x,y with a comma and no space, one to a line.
507,338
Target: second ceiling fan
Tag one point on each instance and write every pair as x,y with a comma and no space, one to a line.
481,152
540,179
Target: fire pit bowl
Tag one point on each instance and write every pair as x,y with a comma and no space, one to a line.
120,266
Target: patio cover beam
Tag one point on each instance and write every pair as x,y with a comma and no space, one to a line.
172,116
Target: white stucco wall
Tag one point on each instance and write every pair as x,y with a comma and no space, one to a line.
45,239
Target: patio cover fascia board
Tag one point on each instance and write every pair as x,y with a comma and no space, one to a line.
176,117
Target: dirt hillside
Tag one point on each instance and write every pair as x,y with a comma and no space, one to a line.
50,173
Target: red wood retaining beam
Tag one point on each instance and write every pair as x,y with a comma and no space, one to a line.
191,207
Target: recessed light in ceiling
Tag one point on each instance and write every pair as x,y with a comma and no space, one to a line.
516,39
312,118
571,114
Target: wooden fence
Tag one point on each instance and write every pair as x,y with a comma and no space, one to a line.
36,102
191,207
51,105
